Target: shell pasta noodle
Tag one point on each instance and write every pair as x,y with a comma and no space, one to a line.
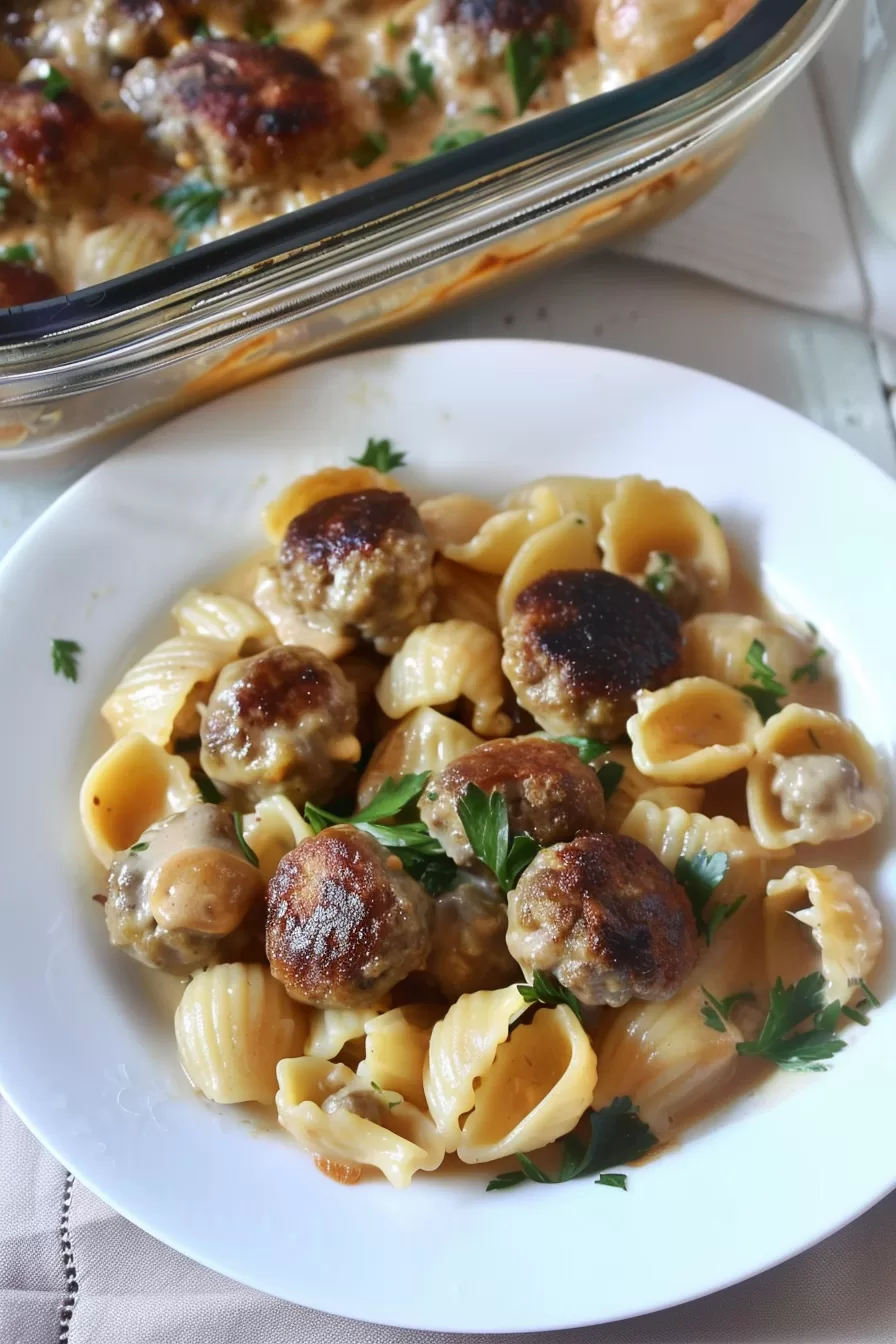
483,828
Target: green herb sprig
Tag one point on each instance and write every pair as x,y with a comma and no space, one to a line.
527,58
661,581
207,790
700,876
191,204
811,669
21,254
716,1012
764,689
380,455
487,826
448,140
55,85
617,1136
65,654
371,147
244,845
790,1006
589,748
547,989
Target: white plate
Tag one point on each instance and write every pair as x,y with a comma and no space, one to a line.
86,1057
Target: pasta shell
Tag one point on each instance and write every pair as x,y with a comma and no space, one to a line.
401,1142
538,1088
132,785
633,785
300,495
152,696
397,1046
233,1025
217,616
692,732
814,778
575,494
117,249
464,594
843,921
331,1029
272,830
567,544
715,644
645,518
454,520
501,535
437,664
671,834
424,741
462,1049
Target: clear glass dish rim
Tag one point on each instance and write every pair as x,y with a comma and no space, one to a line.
203,268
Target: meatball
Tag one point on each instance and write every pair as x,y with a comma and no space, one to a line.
580,643
282,721
605,917
550,794
180,890
469,947
345,921
360,563
48,147
465,40
249,114
23,284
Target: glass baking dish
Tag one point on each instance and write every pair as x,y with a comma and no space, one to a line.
112,359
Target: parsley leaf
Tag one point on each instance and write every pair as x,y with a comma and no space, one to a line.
391,798
811,669
610,776
191,204
20,253
700,876
716,1012
527,57
617,1136
55,84
139,847
505,1180
381,1091
243,842
448,140
420,74
372,145
380,455
65,654
487,828
548,990
490,110
767,690
872,999
207,790
789,1006
614,1178
662,578
588,747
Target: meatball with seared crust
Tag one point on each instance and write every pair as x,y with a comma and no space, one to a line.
466,40
187,884
23,284
360,564
469,942
345,921
48,147
580,643
249,114
550,793
604,916
282,721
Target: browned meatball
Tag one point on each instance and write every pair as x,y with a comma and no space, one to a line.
360,563
184,887
469,942
550,794
282,721
345,921
467,40
580,643
249,114
23,284
47,146
604,916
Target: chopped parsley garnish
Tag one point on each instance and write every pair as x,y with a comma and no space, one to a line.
191,204
588,747
420,75
395,30
716,1012
700,876
490,110
790,1006
243,842
859,1012
381,1092
448,140
65,654
55,84
20,253
764,689
548,990
371,147
527,58
487,826
5,193
207,790
201,32
262,33
811,670
617,1136
617,1179
420,853
872,999
139,847
380,455
662,578
610,776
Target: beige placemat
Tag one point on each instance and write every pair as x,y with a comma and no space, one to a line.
74,1272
